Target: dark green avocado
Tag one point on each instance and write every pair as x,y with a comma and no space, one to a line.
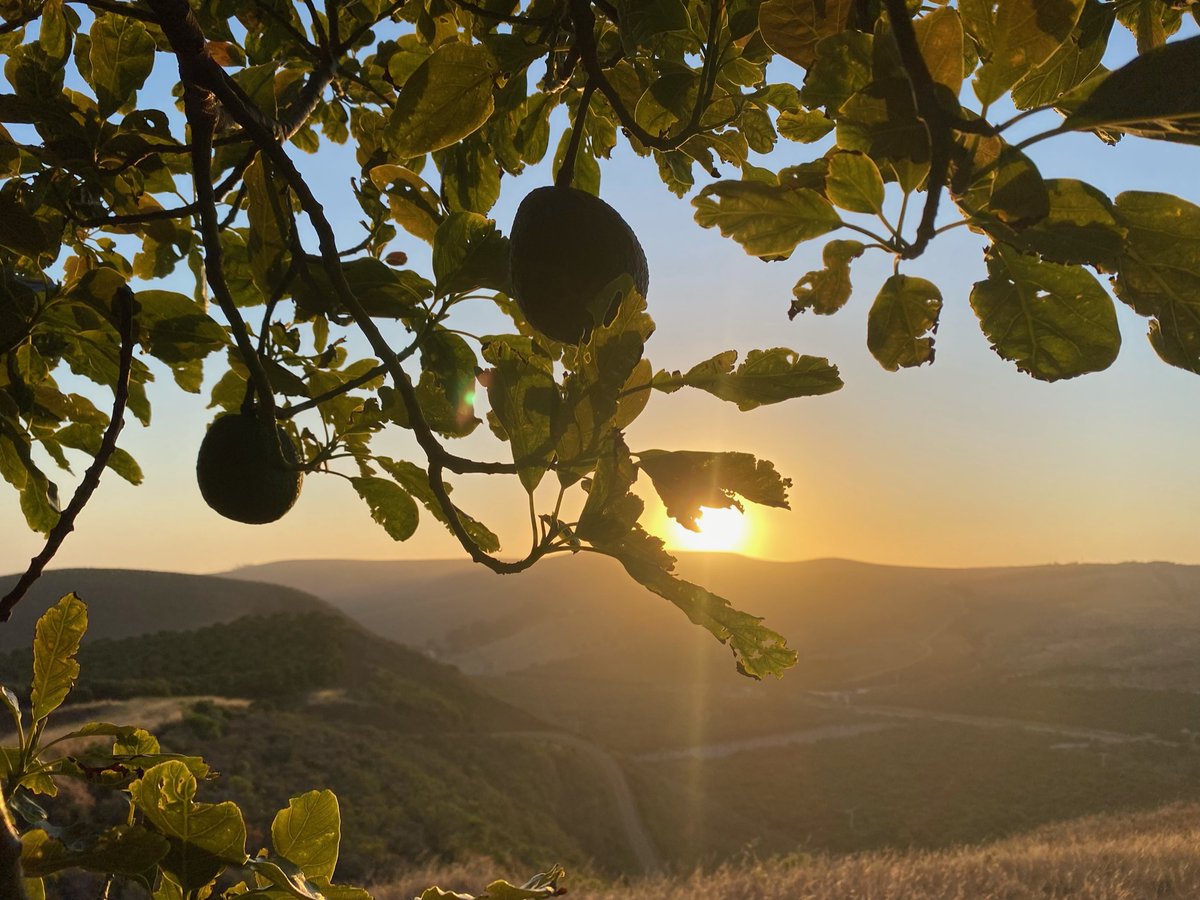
239,474
565,247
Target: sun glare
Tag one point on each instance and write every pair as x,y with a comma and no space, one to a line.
720,529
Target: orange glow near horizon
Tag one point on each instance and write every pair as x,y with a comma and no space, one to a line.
724,530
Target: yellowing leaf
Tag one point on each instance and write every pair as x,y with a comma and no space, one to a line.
827,290
792,28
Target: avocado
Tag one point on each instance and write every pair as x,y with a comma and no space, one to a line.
566,246
239,473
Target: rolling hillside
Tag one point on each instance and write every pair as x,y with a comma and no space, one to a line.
428,766
124,602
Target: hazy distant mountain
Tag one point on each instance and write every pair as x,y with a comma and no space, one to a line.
849,621
124,602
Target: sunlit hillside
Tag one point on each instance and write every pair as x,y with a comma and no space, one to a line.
1125,857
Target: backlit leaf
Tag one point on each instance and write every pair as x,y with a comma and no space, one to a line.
854,183
206,837
688,479
122,55
902,322
390,505
1053,321
447,98
792,28
523,395
766,376
1159,271
1135,98
767,220
309,832
55,643
827,290
1023,34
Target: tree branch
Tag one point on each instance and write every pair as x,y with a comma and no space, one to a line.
585,38
123,306
566,174
199,70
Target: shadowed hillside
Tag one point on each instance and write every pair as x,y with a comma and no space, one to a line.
123,602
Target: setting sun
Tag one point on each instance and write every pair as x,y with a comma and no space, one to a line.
720,529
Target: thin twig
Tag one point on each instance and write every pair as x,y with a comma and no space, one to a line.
566,173
123,306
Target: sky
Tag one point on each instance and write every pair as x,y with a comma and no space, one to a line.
965,462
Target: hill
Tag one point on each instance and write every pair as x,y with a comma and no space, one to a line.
123,602
1147,856
428,765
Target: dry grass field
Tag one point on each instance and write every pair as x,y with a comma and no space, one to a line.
1110,857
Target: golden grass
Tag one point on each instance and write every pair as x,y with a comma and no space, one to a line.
1109,857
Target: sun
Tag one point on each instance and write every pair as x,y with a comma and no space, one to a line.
720,529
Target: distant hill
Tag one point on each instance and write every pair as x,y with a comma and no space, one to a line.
123,602
849,621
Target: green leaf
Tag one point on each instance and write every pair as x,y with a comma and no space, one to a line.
611,511
767,220
827,290
766,376
205,836
523,395
881,120
758,650
87,438
1159,272
128,850
122,55
469,253
55,643
1134,99
13,705
1080,229
309,832
286,876
599,371
792,28
689,479
1071,63
803,125
843,68
1023,34
383,291
390,505
448,97
1018,196
902,322
415,480
854,183
268,207
20,231
1053,321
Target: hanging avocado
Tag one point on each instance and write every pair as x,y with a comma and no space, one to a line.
239,474
565,247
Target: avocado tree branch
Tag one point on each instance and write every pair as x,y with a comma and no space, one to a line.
124,307
566,173
585,22
199,71
508,19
